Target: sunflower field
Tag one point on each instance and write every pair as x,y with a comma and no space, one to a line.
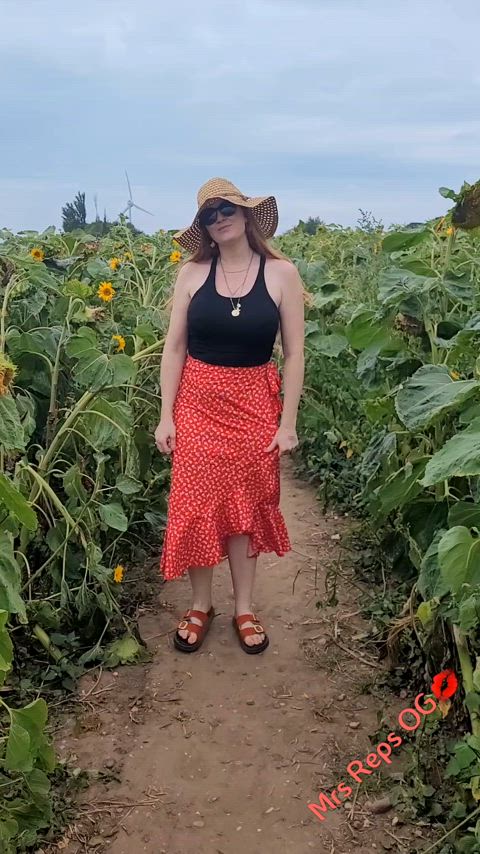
82,485
389,429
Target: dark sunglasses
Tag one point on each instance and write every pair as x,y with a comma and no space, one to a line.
209,215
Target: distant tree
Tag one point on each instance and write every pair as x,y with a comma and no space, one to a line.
367,222
74,214
311,225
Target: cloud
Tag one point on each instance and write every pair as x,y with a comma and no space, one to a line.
305,96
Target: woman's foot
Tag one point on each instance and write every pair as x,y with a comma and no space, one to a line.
249,629
251,640
191,636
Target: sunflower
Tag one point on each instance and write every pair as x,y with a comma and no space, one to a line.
454,375
175,257
105,291
37,253
114,263
450,230
118,573
120,342
128,256
7,373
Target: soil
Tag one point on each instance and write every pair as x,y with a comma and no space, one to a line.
221,752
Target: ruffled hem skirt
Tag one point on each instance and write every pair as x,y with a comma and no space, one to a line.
223,481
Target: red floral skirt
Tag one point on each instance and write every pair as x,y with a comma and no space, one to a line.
223,482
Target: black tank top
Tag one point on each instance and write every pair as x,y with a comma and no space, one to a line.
216,337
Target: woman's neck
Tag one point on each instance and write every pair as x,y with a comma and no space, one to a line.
236,255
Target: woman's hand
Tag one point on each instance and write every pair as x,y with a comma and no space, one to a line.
165,435
285,440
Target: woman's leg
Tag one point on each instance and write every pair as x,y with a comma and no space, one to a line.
201,581
243,569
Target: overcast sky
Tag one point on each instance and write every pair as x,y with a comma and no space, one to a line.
330,105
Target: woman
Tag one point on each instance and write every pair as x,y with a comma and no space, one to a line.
221,403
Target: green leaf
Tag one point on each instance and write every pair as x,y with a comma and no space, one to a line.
402,486
396,286
464,513
41,342
8,832
469,613
75,288
93,370
472,701
73,485
459,457
15,502
429,393
367,330
415,265
425,612
125,650
431,583
11,430
10,580
146,332
123,368
404,240
448,194
459,558
327,345
460,288
18,756
26,742
105,424
98,269
6,648
128,485
113,516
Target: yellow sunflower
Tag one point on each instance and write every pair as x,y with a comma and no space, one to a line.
114,263
37,253
450,230
118,573
454,375
105,291
7,373
120,342
175,257
128,256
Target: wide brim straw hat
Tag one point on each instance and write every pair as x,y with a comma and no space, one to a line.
264,209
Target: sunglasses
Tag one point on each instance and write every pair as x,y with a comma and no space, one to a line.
209,215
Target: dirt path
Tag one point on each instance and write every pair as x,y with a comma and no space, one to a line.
222,752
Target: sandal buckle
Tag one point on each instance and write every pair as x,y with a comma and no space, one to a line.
258,629
182,625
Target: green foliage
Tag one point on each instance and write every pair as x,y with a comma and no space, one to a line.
407,404
82,485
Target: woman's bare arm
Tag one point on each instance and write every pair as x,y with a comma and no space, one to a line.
175,347
292,330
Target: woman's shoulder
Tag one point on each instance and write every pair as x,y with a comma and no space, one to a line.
281,268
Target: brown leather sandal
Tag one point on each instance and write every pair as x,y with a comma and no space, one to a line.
200,630
257,628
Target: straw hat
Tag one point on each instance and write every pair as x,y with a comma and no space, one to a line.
264,209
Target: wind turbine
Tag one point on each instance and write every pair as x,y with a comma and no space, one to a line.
131,204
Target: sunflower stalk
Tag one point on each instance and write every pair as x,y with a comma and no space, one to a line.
466,667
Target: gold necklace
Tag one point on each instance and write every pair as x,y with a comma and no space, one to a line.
236,308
